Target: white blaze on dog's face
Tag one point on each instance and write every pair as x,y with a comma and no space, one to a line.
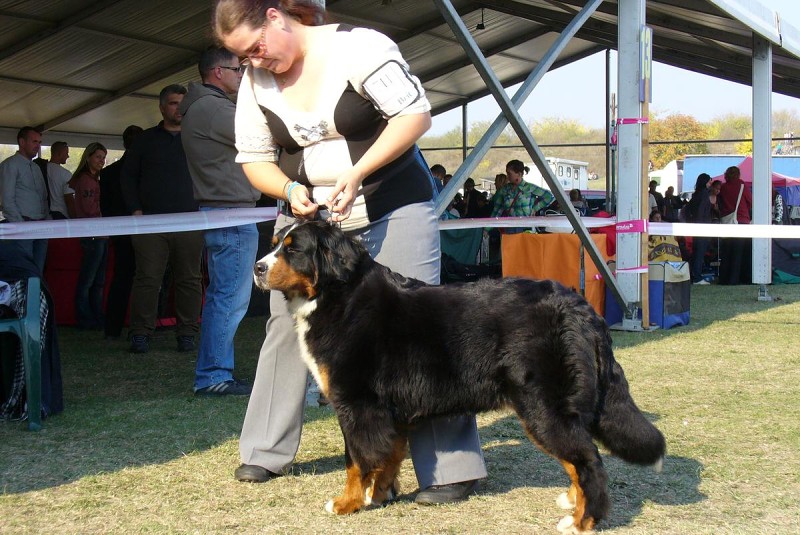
263,266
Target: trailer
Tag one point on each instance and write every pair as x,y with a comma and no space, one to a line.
572,174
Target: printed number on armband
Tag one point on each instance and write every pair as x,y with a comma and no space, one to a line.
391,88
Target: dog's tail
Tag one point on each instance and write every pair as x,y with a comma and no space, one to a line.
621,426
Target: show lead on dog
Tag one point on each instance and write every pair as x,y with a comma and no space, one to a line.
330,114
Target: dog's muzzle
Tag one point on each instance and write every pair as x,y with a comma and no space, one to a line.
260,274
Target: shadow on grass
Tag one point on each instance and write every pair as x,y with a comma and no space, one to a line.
126,411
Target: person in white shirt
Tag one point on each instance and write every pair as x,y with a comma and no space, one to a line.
61,195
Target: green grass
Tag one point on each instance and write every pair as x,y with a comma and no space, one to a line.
135,452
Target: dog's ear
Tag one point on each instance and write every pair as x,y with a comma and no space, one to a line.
338,256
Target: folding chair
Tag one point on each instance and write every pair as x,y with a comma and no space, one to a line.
28,330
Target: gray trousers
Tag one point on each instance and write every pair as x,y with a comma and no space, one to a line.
443,450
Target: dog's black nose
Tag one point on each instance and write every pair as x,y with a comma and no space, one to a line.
260,268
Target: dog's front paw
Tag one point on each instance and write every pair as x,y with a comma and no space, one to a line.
564,501
380,497
343,506
567,526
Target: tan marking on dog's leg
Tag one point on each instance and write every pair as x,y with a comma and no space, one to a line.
575,523
384,487
323,381
352,499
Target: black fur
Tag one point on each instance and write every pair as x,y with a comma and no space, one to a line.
397,350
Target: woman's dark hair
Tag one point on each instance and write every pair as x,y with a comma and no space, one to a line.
230,14
702,181
518,167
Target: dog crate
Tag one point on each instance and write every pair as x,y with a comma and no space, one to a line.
669,294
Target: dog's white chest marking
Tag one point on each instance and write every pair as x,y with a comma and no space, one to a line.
302,309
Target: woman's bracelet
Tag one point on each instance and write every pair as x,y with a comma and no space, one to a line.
289,191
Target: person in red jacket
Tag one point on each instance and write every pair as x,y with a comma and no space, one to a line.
735,253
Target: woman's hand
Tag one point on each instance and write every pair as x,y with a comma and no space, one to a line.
341,199
302,206
267,178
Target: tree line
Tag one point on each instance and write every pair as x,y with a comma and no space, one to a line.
568,138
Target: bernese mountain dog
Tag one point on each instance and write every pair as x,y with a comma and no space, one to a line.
388,351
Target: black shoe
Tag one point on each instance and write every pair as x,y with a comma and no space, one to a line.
186,343
252,473
231,387
440,494
140,343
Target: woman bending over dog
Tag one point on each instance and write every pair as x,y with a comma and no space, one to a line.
329,114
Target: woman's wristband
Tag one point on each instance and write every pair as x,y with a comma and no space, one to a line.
289,191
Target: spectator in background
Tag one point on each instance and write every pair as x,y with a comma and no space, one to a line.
209,140
699,211
500,180
24,191
713,197
735,253
85,182
57,179
780,212
578,202
440,179
111,205
652,205
657,196
484,204
438,172
155,180
672,206
470,202
519,198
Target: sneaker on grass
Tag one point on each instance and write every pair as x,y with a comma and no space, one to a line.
231,387
185,343
140,343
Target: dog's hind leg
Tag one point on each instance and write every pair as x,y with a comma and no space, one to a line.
572,445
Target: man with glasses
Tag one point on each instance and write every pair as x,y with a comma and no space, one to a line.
219,184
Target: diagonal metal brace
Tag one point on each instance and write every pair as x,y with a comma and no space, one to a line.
509,110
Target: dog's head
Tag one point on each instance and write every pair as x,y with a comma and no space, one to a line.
307,258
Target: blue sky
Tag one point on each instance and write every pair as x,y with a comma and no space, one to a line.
557,95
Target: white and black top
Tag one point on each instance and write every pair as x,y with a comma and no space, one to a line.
366,82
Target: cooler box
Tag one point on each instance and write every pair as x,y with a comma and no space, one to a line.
670,288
